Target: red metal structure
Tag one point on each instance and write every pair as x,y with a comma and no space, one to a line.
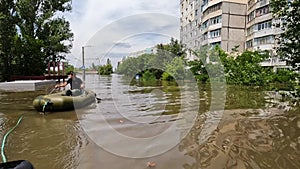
50,76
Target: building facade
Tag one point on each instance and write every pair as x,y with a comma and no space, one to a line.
213,22
261,32
190,21
246,24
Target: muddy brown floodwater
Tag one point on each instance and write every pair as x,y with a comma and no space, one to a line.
138,124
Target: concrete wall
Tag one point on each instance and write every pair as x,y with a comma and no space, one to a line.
233,25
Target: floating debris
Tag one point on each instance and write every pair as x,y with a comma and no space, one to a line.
151,164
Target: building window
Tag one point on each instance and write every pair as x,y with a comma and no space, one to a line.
216,20
215,33
204,25
263,1
250,30
205,36
212,9
262,11
250,17
249,44
204,4
263,25
196,12
264,40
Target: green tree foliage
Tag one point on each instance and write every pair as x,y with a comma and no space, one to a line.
284,76
69,67
288,11
208,65
246,69
174,47
155,64
242,69
175,70
198,69
106,69
7,36
148,76
130,66
36,32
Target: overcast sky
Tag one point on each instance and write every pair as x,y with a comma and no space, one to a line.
114,28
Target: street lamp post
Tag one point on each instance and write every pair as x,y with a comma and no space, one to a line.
83,67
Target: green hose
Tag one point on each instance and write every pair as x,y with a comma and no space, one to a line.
4,139
44,106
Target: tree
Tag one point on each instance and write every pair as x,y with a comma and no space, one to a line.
7,36
34,33
154,65
288,12
106,69
245,69
68,67
175,70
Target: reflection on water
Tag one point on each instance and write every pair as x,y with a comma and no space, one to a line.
259,140
257,129
48,141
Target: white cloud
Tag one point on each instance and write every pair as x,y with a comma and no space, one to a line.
108,22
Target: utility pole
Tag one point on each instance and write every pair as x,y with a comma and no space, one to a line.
83,67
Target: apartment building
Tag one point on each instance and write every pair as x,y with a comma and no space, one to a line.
190,23
260,30
213,22
229,23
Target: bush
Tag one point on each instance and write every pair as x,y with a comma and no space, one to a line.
105,69
148,76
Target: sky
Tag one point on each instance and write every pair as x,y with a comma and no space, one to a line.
115,28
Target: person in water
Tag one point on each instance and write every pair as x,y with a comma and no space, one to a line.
76,85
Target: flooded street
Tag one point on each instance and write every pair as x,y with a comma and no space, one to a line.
172,126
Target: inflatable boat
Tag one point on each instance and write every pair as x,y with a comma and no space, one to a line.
62,102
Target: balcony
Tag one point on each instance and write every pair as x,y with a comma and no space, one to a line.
264,32
215,26
251,4
271,62
204,30
204,7
213,2
267,46
262,3
204,42
261,18
214,40
211,15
